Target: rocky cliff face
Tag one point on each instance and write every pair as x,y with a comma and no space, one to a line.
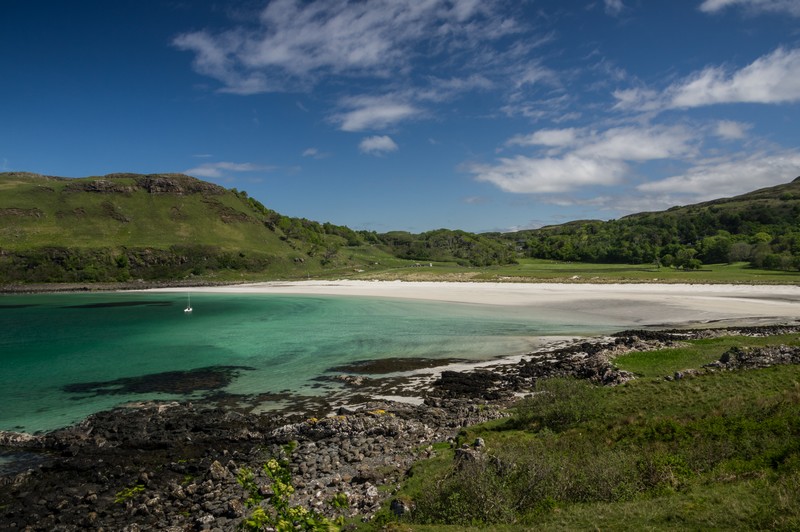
175,184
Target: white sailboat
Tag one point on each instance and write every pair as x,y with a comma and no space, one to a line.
188,303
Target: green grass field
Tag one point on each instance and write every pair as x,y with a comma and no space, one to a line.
695,354
719,451
533,270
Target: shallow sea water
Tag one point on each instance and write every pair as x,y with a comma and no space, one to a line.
49,343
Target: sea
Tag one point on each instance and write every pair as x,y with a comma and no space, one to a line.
66,356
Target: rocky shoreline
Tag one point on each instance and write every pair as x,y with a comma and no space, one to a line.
173,466
140,284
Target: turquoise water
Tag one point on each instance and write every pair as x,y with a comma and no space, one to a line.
49,342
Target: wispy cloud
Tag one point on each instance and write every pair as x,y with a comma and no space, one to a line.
638,143
614,7
771,79
702,181
373,112
220,169
729,176
530,175
791,7
476,200
314,153
546,137
293,44
580,157
378,145
731,130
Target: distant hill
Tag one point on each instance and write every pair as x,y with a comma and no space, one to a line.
762,227
122,227
119,227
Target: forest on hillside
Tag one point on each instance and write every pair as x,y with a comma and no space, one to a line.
764,233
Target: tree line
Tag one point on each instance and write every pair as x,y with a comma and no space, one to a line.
765,234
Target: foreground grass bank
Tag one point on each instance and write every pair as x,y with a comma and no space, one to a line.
714,451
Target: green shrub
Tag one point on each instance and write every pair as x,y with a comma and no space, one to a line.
557,404
278,513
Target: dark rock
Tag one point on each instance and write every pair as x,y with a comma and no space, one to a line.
757,357
401,507
479,384
174,382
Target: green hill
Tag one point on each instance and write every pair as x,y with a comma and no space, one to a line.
123,227
762,227
162,226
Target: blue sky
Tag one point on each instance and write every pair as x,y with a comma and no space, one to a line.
480,115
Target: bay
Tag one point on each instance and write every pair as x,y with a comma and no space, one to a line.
65,356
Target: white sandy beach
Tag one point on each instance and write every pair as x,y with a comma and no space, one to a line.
622,304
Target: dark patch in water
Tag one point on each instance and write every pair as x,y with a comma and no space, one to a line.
123,304
391,365
19,306
175,382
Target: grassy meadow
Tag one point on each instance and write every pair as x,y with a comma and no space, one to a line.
718,451
536,270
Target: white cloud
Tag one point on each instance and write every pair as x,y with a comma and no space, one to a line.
614,7
374,112
546,137
704,181
443,89
528,175
216,57
771,79
632,202
215,170
722,178
476,200
314,153
637,98
592,158
377,145
531,75
622,143
730,130
294,43
639,143
791,7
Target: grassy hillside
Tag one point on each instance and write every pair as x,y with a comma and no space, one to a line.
761,227
716,451
127,210
162,226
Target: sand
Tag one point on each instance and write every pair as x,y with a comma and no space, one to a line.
645,305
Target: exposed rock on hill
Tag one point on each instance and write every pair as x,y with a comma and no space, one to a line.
176,184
